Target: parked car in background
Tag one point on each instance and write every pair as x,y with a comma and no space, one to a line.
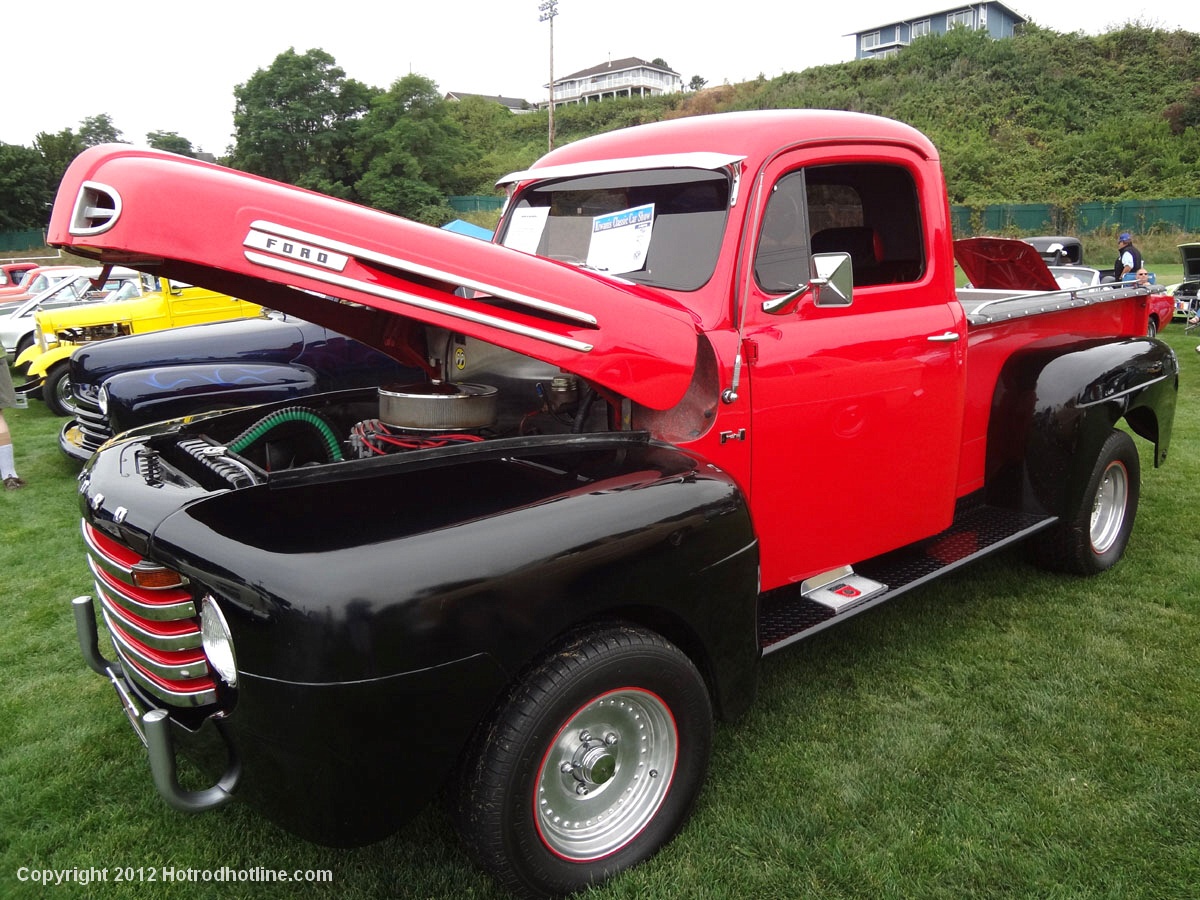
17,326
11,273
60,332
1160,303
1185,293
1075,276
1162,312
135,380
36,281
1012,265
1057,249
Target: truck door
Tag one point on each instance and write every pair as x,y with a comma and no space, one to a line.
857,408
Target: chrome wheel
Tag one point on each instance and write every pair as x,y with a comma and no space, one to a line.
56,390
589,765
1108,511
1093,531
606,774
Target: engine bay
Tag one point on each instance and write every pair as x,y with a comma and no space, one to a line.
485,393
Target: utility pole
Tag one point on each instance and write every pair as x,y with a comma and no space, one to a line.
549,9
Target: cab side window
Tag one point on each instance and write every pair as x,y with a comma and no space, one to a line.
869,211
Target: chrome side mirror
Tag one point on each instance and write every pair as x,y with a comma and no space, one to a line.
831,284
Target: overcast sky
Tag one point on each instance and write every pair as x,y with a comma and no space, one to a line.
166,66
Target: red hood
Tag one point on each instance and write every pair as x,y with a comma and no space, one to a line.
1002,264
260,240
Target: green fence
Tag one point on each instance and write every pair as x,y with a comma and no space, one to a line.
11,241
477,203
1139,216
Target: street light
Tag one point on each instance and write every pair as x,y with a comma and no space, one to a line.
549,9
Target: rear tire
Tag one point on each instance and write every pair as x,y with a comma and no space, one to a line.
591,764
1092,537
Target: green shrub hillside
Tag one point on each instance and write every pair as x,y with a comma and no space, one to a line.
1040,117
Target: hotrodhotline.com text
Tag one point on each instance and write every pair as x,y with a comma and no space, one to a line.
169,875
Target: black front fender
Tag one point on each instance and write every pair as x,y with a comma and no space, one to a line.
153,395
367,570
1055,405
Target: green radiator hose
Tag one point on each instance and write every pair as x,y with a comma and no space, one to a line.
279,417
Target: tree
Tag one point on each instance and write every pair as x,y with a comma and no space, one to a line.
170,142
59,149
413,152
99,130
1184,114
296,120
489,129
697,83
27,184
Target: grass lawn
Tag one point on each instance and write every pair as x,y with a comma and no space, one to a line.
1003,732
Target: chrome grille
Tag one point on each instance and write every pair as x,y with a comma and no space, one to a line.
93,424
156,632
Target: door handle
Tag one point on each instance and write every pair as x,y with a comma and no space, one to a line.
948,338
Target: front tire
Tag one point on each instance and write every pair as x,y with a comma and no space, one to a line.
591,764
1092,537
56,390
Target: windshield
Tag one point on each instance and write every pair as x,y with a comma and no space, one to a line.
660,227
117,287
71,289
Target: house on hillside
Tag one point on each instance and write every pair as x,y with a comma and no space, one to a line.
884,40
630,77
512,104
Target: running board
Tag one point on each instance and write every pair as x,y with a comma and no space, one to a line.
790,614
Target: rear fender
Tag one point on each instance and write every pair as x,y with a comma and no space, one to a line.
1054,407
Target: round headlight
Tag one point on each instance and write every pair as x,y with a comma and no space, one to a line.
102,400
217,641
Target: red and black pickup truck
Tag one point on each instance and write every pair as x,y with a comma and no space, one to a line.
710,391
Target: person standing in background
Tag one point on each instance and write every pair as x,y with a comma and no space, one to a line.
1129,258
8,399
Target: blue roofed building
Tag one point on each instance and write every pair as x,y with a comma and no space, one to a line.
998,20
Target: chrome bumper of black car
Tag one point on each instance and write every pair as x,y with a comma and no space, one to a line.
153,726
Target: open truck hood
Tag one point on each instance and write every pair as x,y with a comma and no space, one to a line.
1004,265
1189,255
367,274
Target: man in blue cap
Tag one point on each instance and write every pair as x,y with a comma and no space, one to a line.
1128,257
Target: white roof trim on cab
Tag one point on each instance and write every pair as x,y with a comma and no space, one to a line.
698,160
